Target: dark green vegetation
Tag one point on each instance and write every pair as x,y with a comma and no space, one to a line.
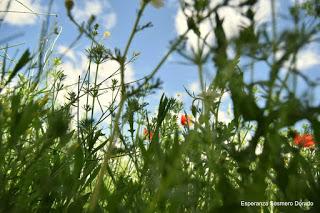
48,164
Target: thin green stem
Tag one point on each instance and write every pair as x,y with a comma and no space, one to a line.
95,92
95,197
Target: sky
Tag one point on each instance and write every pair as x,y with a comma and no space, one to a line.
117,17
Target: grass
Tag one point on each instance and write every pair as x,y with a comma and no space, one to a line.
60,158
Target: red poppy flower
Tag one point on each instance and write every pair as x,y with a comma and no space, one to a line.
304,140
186,120
148,134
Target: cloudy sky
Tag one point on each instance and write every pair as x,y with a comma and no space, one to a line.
117,16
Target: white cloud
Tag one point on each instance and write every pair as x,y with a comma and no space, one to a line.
110,20
181,27
21,18
263,11
233,21
224,117
102,10
307,59
226,96
89,8
194,87
61,49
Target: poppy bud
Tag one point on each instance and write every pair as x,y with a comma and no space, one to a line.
186,120
69,4
148,134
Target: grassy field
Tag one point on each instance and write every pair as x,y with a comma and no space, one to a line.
57,154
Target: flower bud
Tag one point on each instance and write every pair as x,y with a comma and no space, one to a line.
186,120
157,3
69,4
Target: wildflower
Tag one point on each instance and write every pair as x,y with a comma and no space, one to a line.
157,3
304,140
106,34
148,134
186,120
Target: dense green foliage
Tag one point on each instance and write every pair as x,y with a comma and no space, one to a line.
54,159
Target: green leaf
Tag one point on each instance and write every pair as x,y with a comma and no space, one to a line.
79,162
244,103
25,58
220,52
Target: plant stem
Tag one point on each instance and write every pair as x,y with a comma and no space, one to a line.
95,196
94,92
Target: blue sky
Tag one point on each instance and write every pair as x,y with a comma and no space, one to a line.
117,16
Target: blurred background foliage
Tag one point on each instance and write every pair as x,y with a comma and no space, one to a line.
53,158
